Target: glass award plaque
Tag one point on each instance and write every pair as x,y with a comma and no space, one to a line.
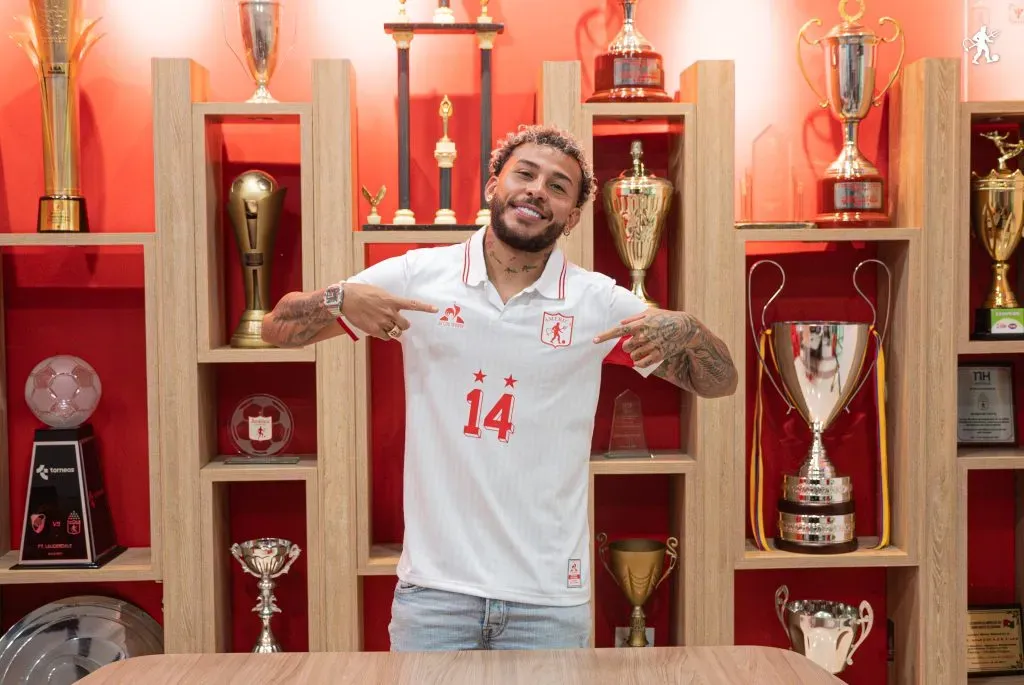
627,436
260,429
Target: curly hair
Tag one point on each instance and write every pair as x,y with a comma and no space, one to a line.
551,136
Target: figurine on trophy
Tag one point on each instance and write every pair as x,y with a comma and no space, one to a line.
819,364
997,221
373,217
266,559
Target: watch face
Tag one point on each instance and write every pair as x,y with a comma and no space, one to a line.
332,295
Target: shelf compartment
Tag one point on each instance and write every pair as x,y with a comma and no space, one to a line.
825,235
217,471
76,239
990,458
233,355
864,557
411,237
135,564
661,462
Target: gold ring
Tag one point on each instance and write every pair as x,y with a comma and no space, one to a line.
395,331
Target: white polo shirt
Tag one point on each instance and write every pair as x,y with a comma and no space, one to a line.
500,404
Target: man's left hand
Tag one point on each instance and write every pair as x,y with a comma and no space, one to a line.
644,344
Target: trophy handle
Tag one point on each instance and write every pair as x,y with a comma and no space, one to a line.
867,619
602,551
874,318
673,556
236,552
781,598
293,554
224,28
822,100
899,63
750,317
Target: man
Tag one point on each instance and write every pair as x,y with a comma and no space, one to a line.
503,342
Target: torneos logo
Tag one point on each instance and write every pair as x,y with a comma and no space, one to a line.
44,471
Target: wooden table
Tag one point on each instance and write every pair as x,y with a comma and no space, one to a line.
651,666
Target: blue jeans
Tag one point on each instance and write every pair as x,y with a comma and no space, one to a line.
424,620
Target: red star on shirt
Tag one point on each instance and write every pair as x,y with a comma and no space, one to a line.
510,382
479,376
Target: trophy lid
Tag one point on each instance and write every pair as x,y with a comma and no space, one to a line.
637,176
850,27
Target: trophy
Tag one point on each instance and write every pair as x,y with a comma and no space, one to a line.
67,523
819,363
630,70
853,193
628,439
266,558
261,427
484,18
56,39
997,219
260,24
254,205
822,630
637,204
445,154
443,14
635,564
373,217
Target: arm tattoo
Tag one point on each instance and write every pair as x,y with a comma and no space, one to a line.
296,319
695,359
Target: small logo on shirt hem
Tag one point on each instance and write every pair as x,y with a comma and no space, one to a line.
575,575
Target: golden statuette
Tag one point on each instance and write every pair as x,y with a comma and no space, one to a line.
484,18
997,220
445,154
373,217
56,39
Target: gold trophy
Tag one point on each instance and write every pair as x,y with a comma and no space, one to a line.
373,217
484,18
254,205
260,25
635,564
853,193
997,219
56,40
637,204
445,154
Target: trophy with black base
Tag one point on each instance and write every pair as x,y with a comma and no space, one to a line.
67,523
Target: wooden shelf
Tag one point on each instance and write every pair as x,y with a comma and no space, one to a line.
632,111
75,239
824,235
219,472
661,463
864,557
990,458
413,237
232,355
995,347
383,560
133,565
252,112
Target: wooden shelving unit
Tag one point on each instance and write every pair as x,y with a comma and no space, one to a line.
193,344
135,563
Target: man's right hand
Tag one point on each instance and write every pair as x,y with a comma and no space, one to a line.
377,312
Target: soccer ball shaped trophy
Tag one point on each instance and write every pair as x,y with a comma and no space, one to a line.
67,514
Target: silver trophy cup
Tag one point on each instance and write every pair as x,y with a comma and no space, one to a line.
266,559
826,632
819,363
260,25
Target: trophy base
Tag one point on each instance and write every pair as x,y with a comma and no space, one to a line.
259,459
445,217
998,324
249,334
816,529
62,214
800,490
638,77
404,217
856,202
68,523
483,217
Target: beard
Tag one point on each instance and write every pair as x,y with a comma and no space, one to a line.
515,240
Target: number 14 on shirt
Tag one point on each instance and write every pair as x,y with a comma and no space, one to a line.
499,415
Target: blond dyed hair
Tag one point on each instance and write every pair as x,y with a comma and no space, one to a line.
550,136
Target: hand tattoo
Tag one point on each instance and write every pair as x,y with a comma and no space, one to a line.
694,358
296,319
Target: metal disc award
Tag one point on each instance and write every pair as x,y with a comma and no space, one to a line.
853,192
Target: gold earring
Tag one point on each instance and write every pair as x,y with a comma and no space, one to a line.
565,232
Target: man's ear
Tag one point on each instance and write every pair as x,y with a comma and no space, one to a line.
490,187
574,218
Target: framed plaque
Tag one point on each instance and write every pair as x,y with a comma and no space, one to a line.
994,641
986,411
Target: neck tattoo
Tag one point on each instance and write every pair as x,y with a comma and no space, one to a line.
509,270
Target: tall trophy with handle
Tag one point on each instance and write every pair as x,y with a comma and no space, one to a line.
638,567
819,364
853,192
824,631
56,39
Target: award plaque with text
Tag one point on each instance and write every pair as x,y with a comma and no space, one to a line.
995,646
628,439
986,413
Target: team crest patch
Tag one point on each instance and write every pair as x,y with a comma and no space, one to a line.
556,330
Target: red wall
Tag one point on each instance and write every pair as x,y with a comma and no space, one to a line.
84,302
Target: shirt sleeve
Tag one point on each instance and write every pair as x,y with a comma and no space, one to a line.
622,305
390,274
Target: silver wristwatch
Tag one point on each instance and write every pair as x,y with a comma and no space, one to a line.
334,297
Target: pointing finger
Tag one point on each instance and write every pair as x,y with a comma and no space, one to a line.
611,334
415,305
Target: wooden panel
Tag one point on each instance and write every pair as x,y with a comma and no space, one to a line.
715,297
334,213
176,84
